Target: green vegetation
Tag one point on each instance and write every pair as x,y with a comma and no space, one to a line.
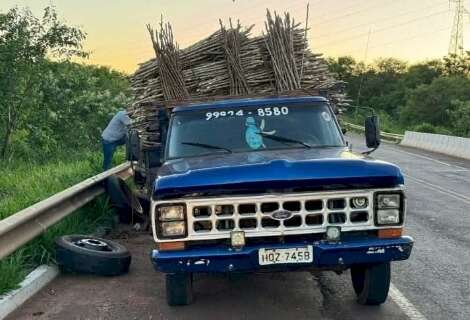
25,184
430,97
15,267
52,112
50,106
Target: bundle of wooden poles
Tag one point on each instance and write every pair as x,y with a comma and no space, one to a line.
228,63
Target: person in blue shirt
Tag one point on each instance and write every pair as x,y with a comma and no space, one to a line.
113,136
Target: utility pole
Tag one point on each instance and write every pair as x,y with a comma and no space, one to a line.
456,38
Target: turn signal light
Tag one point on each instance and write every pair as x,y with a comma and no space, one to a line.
171,246
390,233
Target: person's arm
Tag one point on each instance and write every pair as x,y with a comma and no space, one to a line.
125,119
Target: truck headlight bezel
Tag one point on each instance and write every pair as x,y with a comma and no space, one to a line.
171,219
387,207
172,225
168,213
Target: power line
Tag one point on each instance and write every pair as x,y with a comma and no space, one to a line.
341,41
378,20
385,44
196,31
348,14
299,4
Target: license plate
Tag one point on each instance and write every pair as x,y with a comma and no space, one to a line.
283,256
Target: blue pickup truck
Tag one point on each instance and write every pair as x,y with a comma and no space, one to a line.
271,184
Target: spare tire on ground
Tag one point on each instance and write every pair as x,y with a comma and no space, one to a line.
88,254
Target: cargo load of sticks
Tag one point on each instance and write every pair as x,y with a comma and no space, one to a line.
229,63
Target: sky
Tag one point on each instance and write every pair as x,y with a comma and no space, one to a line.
413,30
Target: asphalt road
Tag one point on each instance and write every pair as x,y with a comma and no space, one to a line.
433,284
437,277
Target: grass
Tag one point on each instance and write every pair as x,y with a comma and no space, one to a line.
22,185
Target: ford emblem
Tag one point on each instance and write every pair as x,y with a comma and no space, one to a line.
281,215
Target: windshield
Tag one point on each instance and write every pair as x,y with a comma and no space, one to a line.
255,128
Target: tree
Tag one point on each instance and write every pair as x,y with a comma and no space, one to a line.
455,65
422,73
25,44
343,67
433,103
460,117
75,96
381,85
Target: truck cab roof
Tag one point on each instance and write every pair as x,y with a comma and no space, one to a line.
230,103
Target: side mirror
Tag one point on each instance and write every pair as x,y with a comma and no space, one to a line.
372,129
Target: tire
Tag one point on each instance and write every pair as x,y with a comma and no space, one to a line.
88,254
123,199
371,283
179,289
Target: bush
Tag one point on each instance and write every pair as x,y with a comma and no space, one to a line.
429,128
460,118
431,103
50,107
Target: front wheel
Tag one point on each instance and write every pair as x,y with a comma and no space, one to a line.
179,289
371,283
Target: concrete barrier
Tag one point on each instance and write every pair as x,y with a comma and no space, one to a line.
453,146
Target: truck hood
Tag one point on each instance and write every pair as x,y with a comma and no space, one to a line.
292,170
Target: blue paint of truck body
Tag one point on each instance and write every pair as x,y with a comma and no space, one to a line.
298,169
293,170
221,258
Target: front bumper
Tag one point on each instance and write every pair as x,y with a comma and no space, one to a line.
326,256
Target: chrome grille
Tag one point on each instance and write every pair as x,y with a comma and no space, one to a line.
215,218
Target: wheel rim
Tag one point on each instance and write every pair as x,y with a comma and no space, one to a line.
92,244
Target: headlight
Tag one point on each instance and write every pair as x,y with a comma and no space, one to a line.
173,229
171,213
388,216
170,220
359,203
389,208
388,201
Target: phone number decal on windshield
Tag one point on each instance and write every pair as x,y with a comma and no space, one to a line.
261,112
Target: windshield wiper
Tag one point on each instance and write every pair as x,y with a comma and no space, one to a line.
207,146
284,139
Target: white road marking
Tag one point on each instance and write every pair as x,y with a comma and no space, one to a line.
404,304
434,187
430,159
452,171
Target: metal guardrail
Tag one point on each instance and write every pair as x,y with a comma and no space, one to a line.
387,136
21,227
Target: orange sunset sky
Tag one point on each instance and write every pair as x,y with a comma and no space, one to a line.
409,29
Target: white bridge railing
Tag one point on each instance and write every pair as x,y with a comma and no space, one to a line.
450,145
